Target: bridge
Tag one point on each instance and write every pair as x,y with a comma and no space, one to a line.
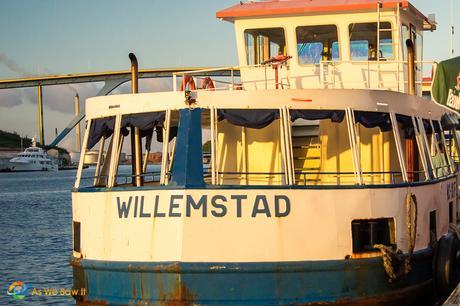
111,79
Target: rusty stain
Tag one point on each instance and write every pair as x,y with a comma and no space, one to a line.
171,268
75,262
134,289
366,255
167,275
142,288
181,296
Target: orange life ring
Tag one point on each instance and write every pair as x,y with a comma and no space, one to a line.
207,84
187,80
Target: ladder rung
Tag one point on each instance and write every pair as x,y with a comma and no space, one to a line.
307,158
307,147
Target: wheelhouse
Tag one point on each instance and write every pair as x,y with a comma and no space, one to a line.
333,44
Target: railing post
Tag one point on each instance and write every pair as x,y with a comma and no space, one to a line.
174,82
165,151
232,78
399,149
99,161
420,146
353,144
82,154
114,158
213,149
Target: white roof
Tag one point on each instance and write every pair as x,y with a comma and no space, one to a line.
358,99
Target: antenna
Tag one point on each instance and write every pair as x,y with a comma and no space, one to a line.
452,28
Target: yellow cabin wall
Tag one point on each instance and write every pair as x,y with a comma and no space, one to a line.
335,152
258,150
378,154
249,150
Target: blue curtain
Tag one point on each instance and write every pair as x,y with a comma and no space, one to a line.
145,122
334,115
449,122
250,118
406,123
374,119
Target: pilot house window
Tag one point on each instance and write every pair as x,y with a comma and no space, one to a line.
317,43
263,44
363,41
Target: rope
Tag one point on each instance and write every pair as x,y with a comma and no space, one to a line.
397,264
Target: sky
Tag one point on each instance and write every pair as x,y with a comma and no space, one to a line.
40,37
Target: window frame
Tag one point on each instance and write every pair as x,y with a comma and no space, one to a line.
285,153
274,27
393,57
339,41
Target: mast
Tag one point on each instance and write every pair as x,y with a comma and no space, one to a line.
452,28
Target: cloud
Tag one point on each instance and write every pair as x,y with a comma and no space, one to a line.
60,98
10,98
12,65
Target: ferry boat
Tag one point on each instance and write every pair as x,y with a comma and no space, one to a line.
330,180
33,159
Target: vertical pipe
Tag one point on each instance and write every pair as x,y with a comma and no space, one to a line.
40,115
410,66
136,141
77,127
410,150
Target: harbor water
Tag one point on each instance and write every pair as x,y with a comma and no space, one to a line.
36,236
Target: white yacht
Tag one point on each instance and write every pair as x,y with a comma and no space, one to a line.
33,159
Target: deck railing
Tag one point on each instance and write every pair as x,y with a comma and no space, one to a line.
329,74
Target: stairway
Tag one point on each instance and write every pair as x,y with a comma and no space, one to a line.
306,151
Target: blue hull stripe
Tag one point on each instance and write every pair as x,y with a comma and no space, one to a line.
243,283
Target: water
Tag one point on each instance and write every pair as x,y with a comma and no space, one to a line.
36,234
